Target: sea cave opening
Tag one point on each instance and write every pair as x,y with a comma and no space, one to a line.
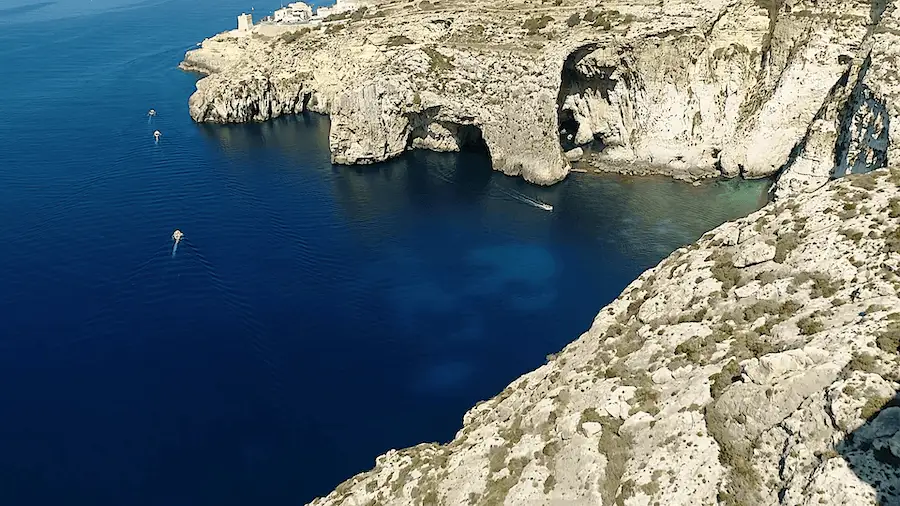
583,102
470,167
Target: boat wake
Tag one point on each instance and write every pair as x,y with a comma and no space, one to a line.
513,194
525,199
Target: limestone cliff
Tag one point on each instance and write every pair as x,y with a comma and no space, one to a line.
759,366
687,87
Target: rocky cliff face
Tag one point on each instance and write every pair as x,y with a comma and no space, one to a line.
689,87
757,366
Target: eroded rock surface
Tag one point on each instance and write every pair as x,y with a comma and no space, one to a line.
717,377
684,87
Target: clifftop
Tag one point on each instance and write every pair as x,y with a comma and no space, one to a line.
757,366
689,88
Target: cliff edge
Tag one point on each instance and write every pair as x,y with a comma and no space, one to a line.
805,88
757,366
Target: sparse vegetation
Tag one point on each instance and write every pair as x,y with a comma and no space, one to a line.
439,62
616,449
809,326
864,181
862,362
873,406
894,207
289,37
534,25
496,490
698,349
724,378
398,40
766,277
823,286
736,455
693,316
889,339
853,235
358,14
549,483
749,344
645,397
786,243
573,20
848,210
892,241
725,272
497,458
629,342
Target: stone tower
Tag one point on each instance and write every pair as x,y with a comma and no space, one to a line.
245,22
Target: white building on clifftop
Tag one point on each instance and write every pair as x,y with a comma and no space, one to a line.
339,7
297,12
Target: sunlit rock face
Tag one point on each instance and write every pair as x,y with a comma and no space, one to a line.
680,87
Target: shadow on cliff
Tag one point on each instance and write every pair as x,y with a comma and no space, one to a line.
872,451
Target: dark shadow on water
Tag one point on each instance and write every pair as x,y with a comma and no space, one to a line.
291,135
873,452
299,136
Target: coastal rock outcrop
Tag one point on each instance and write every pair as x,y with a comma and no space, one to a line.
684,87
717,377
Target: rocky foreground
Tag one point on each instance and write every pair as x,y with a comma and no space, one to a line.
759,366
691,87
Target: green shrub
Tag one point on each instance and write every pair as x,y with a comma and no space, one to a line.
766,277
894,207
749,344
873,406
497,458
645,398
786,243
438,62
549,483
724,378
358,14
823,286
590,16
629,343
289,37
864,181
573,20
892,241
853,235
617,451
862,362
725,272
894,176
809,326
697,349
889,339
693,316
398,40
533,25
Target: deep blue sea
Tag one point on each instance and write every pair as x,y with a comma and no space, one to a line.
314,317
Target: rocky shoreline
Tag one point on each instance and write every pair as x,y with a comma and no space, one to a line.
803,89
757,366
680,172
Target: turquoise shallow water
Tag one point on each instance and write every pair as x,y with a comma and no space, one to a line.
314,317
